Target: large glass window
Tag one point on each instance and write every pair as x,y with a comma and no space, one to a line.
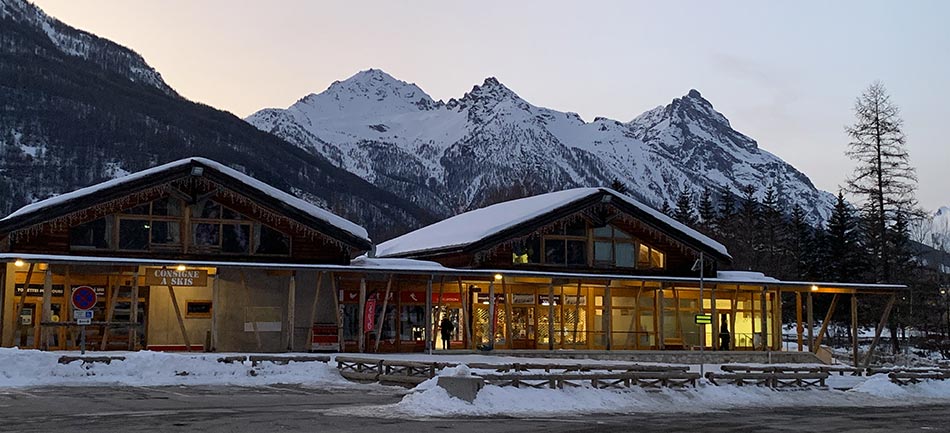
162,225
133,234
607,246
525,252
217,228
612,247
568,245
150,226
93,234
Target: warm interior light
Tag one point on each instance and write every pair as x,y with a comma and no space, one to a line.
18,263
498,276
180,268
814,288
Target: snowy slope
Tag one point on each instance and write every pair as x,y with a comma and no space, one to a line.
90,47
940,229
492,145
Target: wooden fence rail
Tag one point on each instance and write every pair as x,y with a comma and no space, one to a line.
772,379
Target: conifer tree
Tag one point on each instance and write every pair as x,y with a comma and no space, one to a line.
801,246
843,248
618,186
684,207
707,212
883,178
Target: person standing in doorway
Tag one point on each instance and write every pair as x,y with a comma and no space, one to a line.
446,330
724,336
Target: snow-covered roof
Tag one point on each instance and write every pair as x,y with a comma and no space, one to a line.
745,276
421,267
473,226
288,199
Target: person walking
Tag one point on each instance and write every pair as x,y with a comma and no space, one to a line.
724,335
446,330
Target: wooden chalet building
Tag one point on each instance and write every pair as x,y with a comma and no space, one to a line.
174,252
590,268
194,255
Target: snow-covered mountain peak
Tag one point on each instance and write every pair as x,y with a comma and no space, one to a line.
372,86
491,144
689,119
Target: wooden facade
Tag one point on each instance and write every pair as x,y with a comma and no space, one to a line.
310,240
597,211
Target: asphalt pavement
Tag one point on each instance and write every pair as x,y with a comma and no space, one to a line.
293,408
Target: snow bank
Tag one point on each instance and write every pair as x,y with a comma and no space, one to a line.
429,400
27,368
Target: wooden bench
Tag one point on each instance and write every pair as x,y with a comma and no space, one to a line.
284,360
90,359
904,378
648,380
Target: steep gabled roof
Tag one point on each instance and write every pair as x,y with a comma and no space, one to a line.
280,201
477,227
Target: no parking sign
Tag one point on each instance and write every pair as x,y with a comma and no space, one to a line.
84,298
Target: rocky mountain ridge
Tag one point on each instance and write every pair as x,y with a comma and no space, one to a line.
490,145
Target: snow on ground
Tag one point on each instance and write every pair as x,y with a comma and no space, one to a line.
429,400
30,368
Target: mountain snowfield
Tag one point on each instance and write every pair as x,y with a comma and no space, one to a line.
90,47
491,145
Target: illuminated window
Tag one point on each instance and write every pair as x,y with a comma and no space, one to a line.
650,258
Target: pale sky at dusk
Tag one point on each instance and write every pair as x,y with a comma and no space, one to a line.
784,73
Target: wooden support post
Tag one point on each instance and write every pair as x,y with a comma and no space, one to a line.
608,325
732,319
313,311
247,303
777,319
361,339
134,313
436,323
714,335
181,321
810,321
763,300
466,298
20,305
110,312
507,296
338,314
67,293
291,310
577,313
215,306
854,329
428,316
658,317
798,321
491,314
382,316
551,315
824,324
679,317
880,327
47,307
